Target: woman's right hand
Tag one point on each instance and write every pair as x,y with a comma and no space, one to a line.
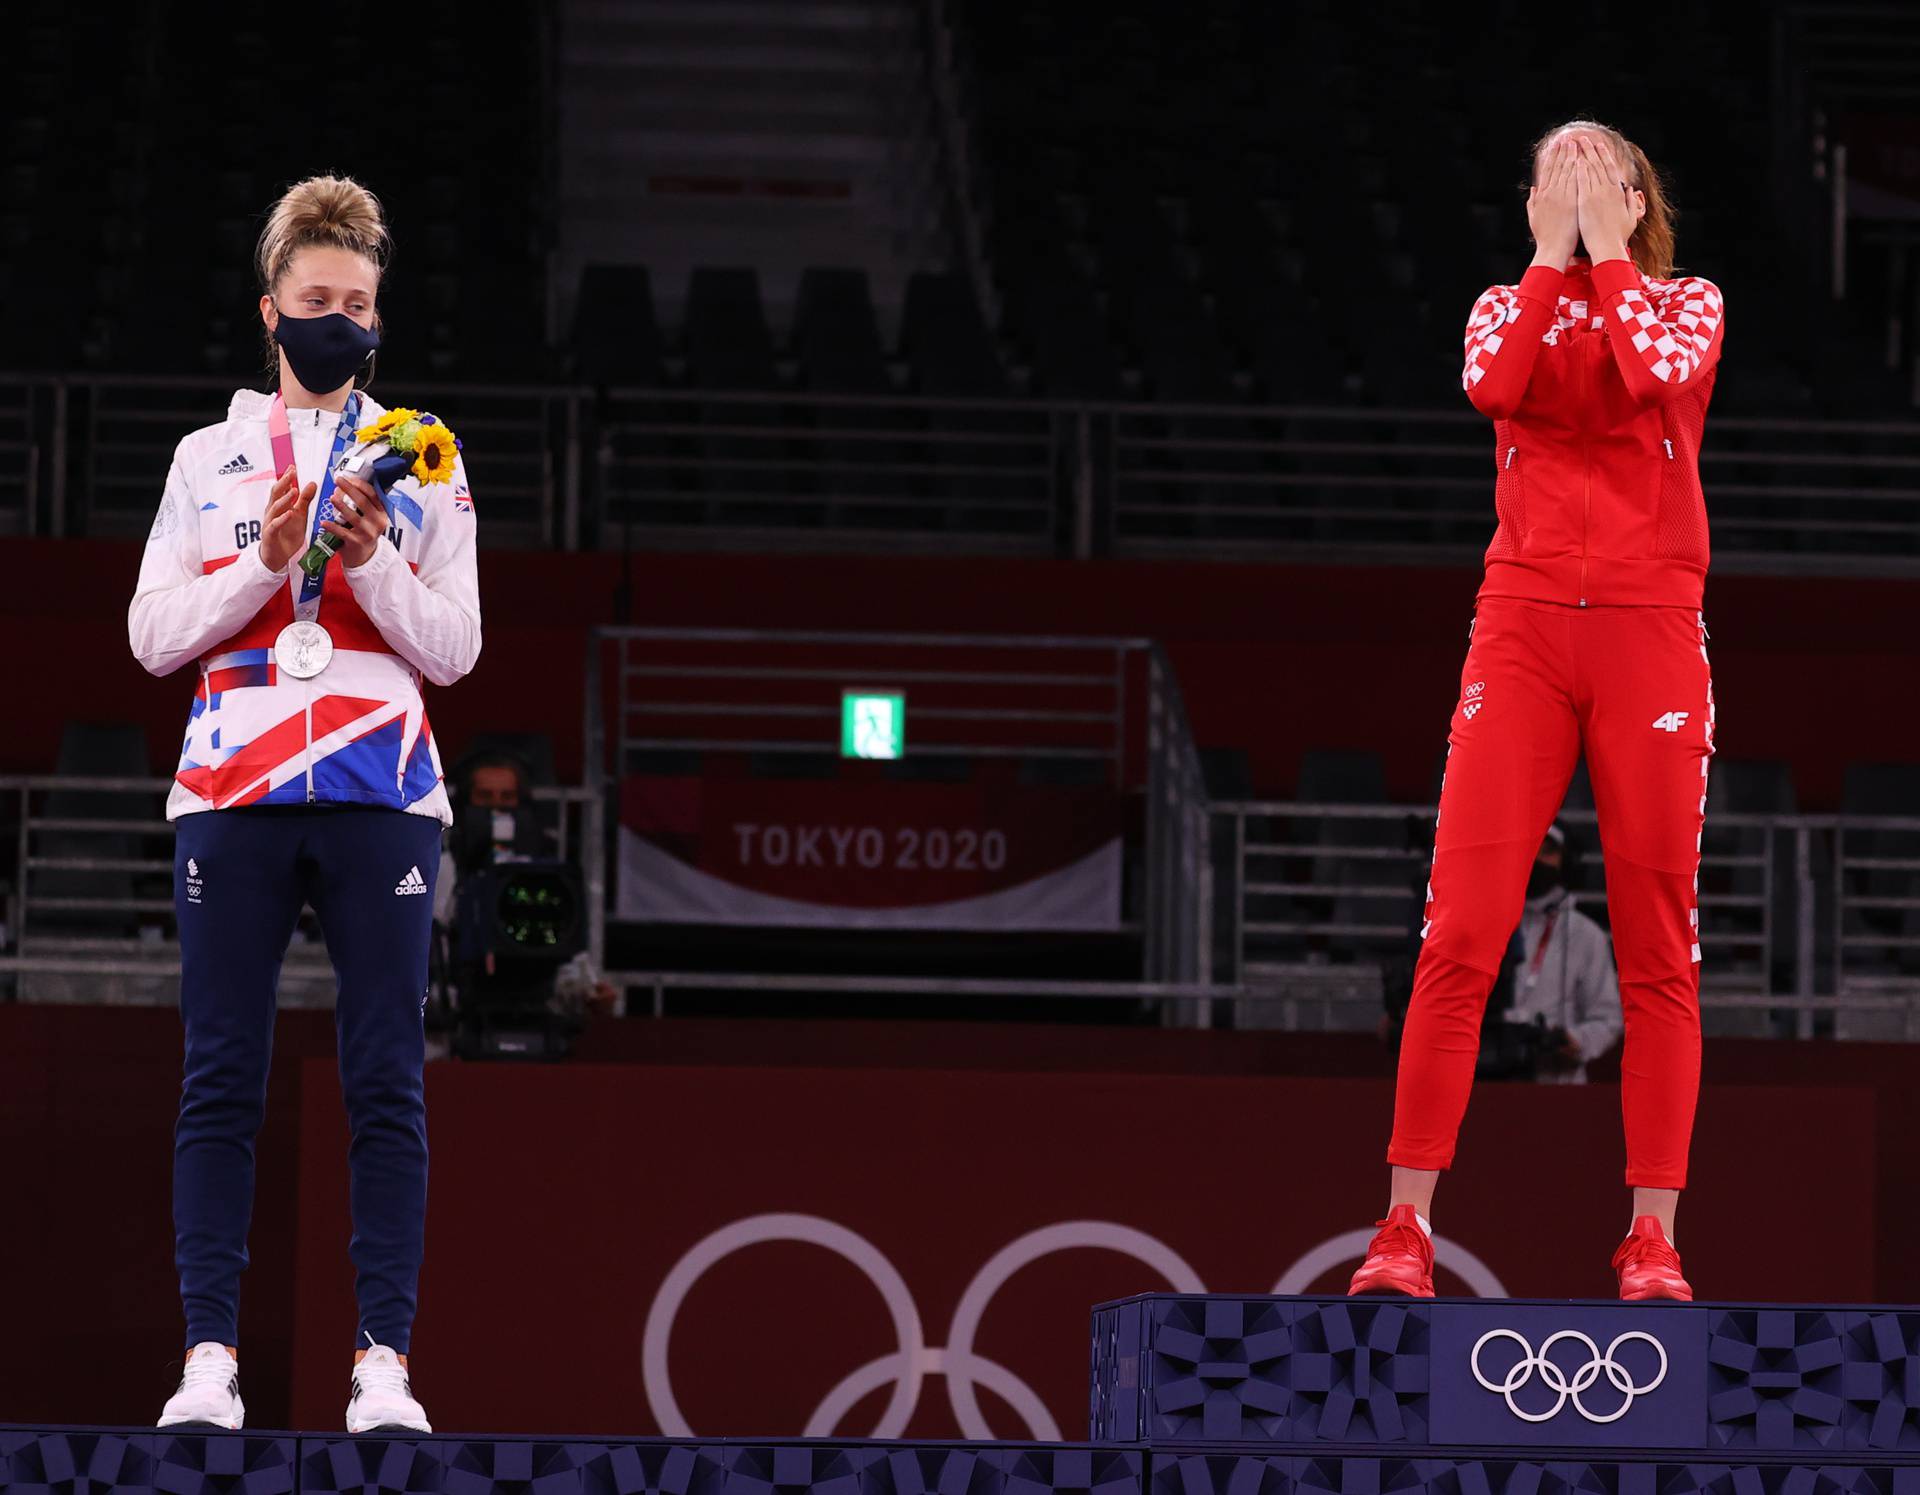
285,523
1553,204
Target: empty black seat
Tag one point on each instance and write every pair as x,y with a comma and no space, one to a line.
864,476
946,342
1072,352
728,344
945,339
615,337
1354,857
748,476
836,334
499,327
1735,901
111,750
1883,901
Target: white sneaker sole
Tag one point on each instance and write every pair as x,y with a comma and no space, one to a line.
197,1425
390,1429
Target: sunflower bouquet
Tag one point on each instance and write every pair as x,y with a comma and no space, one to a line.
417,435
400,444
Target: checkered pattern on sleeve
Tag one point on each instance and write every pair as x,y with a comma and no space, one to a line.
1672,323
1496,308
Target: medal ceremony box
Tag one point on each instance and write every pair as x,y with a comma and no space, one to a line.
1224,1395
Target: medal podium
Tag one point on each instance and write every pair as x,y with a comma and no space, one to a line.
1224,1395
1479,1396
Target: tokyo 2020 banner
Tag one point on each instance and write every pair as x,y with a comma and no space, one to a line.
712,1251
868,855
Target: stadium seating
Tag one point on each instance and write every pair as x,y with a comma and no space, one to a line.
1212,204
615,337
96,751
1230,173
1186,203
126,240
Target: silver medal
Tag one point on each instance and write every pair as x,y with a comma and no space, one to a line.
303,650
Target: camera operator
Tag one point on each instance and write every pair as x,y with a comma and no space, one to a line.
1560,977
1555,1004
493,824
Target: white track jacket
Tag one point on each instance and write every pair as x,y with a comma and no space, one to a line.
357,732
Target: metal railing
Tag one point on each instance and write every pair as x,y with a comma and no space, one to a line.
121,432
1179,881
89,902
659,985
569,466
1810,923
778,692
1414,485
707,467
1067,705
1267,913
22,462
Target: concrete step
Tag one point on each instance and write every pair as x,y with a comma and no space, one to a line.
697,85
720,55
613,98
844,239
756,90
759,152
740,243
764,15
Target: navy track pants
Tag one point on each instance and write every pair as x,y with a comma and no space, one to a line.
240,877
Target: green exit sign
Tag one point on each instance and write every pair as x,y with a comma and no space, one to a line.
872,725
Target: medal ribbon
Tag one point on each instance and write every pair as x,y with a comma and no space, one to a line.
306,607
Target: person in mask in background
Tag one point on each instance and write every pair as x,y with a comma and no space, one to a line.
1555,1003
308,775
493,822
1564,977
488,790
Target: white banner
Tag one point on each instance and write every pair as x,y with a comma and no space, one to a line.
658,888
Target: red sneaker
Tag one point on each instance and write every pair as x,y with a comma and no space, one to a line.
1399,1258
1648,1265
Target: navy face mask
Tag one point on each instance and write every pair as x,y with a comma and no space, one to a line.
325,352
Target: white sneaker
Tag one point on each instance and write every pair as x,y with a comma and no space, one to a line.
209,1394
382,1399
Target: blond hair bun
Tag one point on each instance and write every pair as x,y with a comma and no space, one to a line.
327,210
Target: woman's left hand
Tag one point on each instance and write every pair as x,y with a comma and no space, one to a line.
1605,202
360,519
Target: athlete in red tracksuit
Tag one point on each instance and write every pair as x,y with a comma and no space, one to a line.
1596,371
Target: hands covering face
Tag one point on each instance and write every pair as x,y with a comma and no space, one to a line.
1607,210
1581,196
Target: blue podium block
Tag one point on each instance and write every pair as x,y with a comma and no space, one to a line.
95,1461
98,1461
1723,1380
36,1461
1211,1472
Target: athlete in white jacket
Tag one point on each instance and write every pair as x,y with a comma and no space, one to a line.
255,733
308,775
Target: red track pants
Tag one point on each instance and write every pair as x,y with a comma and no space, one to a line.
1631,685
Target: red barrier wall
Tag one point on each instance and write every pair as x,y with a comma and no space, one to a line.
1273,659
87,1100
561,1195
562,1199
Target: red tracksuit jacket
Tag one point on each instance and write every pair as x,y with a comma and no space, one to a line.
1597,380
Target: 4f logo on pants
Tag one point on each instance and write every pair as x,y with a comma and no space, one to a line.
1673,721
